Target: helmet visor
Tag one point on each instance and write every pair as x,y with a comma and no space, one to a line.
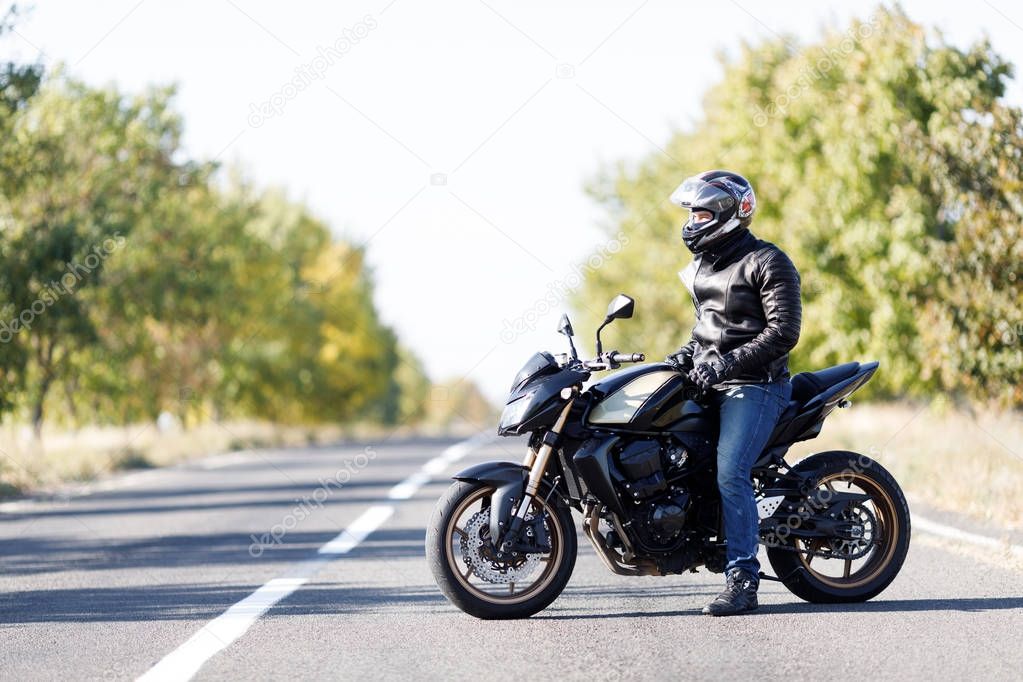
694,194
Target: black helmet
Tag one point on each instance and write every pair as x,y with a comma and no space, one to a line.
726,195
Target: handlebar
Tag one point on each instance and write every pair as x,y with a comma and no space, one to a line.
612,360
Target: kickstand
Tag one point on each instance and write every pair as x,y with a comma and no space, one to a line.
797,569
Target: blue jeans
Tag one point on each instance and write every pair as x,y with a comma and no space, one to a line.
749,413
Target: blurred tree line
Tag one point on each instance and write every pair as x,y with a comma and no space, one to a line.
135,280
888,164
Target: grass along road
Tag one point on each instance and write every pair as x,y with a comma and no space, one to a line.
949,460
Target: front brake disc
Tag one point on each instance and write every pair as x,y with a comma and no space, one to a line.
477,552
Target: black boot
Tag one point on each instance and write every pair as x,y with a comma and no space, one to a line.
739,595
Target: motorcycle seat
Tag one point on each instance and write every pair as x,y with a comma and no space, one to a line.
806,385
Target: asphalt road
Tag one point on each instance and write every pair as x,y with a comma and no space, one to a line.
109,584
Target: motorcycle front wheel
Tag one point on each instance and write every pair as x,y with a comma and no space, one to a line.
460,554
834,570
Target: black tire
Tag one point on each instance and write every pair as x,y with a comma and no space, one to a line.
489,607
892,513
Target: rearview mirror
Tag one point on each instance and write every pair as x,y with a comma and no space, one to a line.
565,326
620,308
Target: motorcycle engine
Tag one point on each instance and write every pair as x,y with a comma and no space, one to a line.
660,508
665,518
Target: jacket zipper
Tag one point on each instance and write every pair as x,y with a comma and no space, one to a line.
696,297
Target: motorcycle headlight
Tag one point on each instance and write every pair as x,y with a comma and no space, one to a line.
516,410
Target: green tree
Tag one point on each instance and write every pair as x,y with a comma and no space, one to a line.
140,281
459,402
409,390
92,163
18,83
189,287
887,163
238,303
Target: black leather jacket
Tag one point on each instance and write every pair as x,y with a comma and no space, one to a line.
748,310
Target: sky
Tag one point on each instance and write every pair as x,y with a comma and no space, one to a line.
453,138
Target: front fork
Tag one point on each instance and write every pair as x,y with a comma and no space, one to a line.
536,461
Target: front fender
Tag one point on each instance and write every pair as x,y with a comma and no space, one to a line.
509,482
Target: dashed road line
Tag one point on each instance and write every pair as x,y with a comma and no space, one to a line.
219,633
185,661
358,530
953,533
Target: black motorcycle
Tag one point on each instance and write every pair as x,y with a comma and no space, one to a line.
635,454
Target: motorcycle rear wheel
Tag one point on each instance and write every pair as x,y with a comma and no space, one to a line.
453,535
887,516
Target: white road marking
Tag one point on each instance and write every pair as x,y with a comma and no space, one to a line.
358,530
64,493
185,661
952,533
435,466
218,634
224,460
117,481
409,486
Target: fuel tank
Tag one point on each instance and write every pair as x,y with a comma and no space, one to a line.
648,398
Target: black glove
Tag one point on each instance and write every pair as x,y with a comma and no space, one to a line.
708,374
682,359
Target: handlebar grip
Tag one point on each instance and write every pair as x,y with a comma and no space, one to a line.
628,357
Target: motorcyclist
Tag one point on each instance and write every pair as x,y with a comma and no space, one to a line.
748,314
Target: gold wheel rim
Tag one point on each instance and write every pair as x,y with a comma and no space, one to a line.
888,522
545,579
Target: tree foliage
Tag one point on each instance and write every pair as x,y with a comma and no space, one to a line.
888,165
135,280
